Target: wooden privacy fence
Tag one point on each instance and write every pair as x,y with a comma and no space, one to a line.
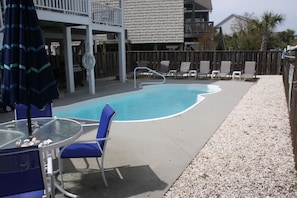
267,62
290,85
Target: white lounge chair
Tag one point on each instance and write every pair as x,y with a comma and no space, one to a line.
249,70
143,72
225,69
204,69
164,67
183,70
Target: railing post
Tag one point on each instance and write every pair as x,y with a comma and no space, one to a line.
122,46
69,60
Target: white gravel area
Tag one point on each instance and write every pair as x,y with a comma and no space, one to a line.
251,153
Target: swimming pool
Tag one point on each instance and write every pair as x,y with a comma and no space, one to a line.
150,103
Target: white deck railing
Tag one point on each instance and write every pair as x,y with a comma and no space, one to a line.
69,7
105,14
99,13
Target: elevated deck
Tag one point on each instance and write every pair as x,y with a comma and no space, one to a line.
65,21
74,13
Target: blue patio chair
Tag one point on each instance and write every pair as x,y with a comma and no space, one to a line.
23,173
94,148
21,111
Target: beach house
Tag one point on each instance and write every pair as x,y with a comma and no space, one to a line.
72,27
66,21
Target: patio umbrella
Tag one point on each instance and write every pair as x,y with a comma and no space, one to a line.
27,77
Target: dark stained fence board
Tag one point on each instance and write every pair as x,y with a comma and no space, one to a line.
293,104
267,62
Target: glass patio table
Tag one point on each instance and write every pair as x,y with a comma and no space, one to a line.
60,132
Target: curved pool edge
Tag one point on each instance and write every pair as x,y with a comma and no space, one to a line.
200,98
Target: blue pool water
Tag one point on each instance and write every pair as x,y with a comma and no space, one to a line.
149,103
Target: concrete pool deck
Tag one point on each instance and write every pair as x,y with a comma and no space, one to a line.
143,159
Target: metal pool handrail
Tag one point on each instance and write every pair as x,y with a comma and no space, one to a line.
148,83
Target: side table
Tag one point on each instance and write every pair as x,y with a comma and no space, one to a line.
236,74
172,73
193,73
214,73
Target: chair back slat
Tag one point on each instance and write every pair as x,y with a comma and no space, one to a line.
225,66
185,66
204,66
164,66
250,67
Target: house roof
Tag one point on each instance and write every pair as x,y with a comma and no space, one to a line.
231,17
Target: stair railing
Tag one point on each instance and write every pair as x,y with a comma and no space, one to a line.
148,83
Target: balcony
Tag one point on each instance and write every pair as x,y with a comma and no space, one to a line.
80,12
195,29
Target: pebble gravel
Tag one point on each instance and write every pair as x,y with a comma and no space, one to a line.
251,153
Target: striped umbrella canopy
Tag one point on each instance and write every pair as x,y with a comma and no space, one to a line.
27,77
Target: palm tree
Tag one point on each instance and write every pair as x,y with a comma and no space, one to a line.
266,25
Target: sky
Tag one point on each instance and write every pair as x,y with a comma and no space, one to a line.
288,8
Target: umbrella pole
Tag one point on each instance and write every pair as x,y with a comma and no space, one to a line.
29,120
28,105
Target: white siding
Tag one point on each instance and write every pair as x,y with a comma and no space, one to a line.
153,21
227,27
232,24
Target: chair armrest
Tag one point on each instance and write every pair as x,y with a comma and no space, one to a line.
92,124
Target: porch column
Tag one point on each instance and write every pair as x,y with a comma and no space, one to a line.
91,74
122,47
69,61
90,62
